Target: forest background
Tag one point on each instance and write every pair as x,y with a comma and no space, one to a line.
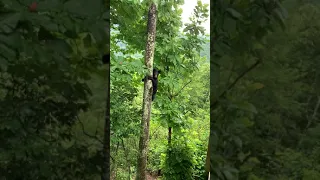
52,94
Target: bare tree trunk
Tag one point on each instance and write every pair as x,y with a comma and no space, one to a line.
144,136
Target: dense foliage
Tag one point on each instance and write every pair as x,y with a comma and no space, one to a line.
48,52
267,124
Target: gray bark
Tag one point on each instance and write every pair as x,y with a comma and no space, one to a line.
144,136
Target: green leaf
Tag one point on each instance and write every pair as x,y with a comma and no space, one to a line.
230,26
284,11
241,156
257,86
235,14
59,46
237,141
99,33
84,8
227,174
7,52
246,106
9,22
246,122
87,41
49,5
52,27
12,41
279,16
71,34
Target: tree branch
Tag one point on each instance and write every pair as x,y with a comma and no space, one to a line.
181,88
87,134
215,103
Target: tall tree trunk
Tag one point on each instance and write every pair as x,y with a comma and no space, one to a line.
144,135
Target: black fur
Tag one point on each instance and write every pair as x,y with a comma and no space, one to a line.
154,80
106,59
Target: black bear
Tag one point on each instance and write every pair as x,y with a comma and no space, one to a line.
154,80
